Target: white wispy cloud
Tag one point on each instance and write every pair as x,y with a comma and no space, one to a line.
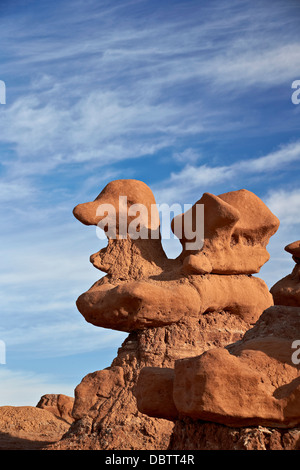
247,67
277,159
12,190
285,204
100,127
127,99
192,179
32,386
188,155
59,337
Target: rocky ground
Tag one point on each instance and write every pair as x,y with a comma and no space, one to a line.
29,428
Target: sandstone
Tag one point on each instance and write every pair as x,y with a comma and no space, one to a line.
105,407
95,389
191,434
115,209
132,305
287,290
138,304
237,229
58,404
155,396
294,249
143,288
253,382
29,428
171,310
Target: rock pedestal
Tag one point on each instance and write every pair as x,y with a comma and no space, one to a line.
171,308
58,404
105,408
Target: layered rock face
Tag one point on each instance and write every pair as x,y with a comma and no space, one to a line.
171,308
189,434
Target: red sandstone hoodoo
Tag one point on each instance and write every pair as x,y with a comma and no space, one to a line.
208,354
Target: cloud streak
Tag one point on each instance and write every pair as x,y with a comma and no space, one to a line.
32,385
191,178
124,95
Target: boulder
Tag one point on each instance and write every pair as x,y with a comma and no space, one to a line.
58,404
105,407
237,229
252,382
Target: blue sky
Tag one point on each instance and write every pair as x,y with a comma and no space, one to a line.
188,96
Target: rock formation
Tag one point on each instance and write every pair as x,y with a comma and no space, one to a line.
172,308
287,290
208,362
34,427
245,395
253,382
143,288
238,226
58,404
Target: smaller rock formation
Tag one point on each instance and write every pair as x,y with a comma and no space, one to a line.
238,226
58,404
253,382
287,290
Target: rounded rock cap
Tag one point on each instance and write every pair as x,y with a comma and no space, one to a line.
294,249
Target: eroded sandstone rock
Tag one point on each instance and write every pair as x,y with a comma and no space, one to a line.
29,428
189,434
287,290
105,405
237,229
253,382
143,288
169,311
58,404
